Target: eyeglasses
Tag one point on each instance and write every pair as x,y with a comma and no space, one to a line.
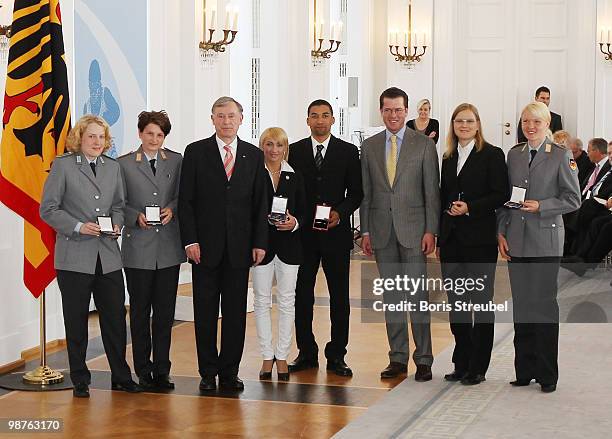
398,111
464,121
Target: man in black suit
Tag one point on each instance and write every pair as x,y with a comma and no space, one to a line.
542,94
585,165
597,185
332,176
223,221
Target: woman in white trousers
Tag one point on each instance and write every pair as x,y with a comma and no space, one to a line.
287,203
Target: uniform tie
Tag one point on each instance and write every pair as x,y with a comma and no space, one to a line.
152,163
392,160
228,161
319,157
93,167
533,153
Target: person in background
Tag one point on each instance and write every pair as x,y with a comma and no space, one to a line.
585,165
542,94
283,257
424,124
561,138
84,189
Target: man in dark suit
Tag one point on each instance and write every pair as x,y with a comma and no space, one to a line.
542,94
585,165
332,176
223,222
598,185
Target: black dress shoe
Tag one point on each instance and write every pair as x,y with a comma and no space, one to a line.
548,388
231,383
472,380
146,382
455,376
423,373
80,390
339,367
393,370
303,363
127,386
521,382
208,383
163,382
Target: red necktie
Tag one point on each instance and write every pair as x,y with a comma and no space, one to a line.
228,161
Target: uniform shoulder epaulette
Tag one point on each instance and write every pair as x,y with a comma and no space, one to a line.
125,155
109,157
519,145
558,146
66,154
170,151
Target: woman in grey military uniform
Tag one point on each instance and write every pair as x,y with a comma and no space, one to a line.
531,239
84,188
152,249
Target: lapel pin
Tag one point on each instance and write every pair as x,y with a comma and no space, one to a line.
287,177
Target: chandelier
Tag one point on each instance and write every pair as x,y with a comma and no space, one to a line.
210,49
318,53
405,46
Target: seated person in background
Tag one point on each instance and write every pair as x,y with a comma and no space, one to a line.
561,138
597,243
542,94
585,166
598,186
424,124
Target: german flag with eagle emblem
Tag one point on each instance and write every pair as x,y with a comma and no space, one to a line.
36,121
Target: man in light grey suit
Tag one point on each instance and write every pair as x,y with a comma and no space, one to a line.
399,218
531,239
152,250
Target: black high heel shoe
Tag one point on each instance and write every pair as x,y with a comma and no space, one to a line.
267,375
282,376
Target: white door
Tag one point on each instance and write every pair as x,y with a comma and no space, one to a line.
504,50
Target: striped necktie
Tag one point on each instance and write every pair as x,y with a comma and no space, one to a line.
228,161
319,157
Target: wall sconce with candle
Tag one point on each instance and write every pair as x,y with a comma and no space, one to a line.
605,41
318,54
413,48
209,48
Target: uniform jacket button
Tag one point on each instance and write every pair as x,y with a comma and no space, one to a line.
97,209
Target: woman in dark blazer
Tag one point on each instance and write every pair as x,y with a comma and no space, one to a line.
283,256
474,183
424,124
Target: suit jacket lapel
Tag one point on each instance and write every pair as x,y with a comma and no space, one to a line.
238,160
541,156
330,154
86,169
144,166
160,169
468,163
213,157
451,171
404,154
380,154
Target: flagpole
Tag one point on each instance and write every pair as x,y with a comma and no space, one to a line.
43,374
